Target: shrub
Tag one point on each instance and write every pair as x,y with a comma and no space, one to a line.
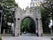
0,38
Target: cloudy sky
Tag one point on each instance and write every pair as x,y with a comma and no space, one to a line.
23,3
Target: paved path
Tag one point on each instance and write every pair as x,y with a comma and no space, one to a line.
28,34
27,38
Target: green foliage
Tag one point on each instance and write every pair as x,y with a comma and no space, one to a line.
45,19
7,5
46,14
0,38
27,25
48,5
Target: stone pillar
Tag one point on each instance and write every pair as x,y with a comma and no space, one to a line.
37,27
40,31
17,28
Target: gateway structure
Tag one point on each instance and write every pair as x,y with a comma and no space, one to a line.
33,12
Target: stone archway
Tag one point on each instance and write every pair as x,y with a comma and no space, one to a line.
35,15
28,25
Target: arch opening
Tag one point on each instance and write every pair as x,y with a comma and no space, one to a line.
28,25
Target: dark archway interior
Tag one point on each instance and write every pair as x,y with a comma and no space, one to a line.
28,25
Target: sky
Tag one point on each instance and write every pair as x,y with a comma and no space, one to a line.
23,3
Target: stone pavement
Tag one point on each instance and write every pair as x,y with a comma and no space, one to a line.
27,38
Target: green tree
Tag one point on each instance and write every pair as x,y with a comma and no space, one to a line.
27,25
7,5
8,13
45,14
48,5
